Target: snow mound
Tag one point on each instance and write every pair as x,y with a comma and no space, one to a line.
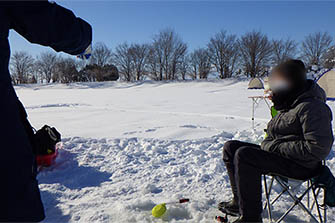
109,179
121,180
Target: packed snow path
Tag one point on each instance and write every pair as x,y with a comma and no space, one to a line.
128,147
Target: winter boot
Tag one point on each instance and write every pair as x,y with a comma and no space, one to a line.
230,207
246,220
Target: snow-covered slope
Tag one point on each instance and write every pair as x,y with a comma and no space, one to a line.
128,147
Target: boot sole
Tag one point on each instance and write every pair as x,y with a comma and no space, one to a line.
231,213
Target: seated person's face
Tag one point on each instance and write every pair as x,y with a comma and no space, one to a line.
278,82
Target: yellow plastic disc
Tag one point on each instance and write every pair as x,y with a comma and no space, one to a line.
158,210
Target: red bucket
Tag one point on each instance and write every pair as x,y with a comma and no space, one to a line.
48,160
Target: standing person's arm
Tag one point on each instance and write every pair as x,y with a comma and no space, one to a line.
51,25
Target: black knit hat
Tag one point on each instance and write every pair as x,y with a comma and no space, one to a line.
294,71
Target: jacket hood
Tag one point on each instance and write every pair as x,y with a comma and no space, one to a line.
313,91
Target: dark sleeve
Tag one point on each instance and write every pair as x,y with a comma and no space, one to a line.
269,139
49,24
317,133
267,143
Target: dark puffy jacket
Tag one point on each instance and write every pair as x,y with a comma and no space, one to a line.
302,133
46,24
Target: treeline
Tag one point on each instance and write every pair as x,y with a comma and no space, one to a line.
167,57
48,67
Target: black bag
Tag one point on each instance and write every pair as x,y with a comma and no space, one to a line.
327,180
45,140
42,141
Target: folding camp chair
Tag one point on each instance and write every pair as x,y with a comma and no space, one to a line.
289,187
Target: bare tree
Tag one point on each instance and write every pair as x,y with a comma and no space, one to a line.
330,58
255,51
93,72
46,65
101,55
179,53
314,47
139,56
155,58
66,71
124,62
184,67
166,52
22,67
223,49
283,50
200,63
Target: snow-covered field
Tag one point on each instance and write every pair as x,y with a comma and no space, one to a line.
129,146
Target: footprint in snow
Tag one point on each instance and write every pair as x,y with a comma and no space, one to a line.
150,188
189,126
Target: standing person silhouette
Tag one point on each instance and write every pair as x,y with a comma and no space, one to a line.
47,24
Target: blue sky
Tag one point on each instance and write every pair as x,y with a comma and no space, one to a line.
115,22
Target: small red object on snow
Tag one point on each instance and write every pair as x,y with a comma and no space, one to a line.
184,200
48,160
221,219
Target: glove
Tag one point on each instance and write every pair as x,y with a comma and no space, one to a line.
86,54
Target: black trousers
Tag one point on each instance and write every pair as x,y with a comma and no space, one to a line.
19,192
246,163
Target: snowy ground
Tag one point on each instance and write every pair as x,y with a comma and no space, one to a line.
128,147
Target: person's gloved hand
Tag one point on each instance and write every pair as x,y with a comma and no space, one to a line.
86,54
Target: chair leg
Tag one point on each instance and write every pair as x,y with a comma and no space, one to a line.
324,162
268,191
321,218
308,204
279,195
297,201
267,196
317,205
324,206
286,213
317,194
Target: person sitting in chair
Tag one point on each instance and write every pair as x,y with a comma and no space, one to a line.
298,138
